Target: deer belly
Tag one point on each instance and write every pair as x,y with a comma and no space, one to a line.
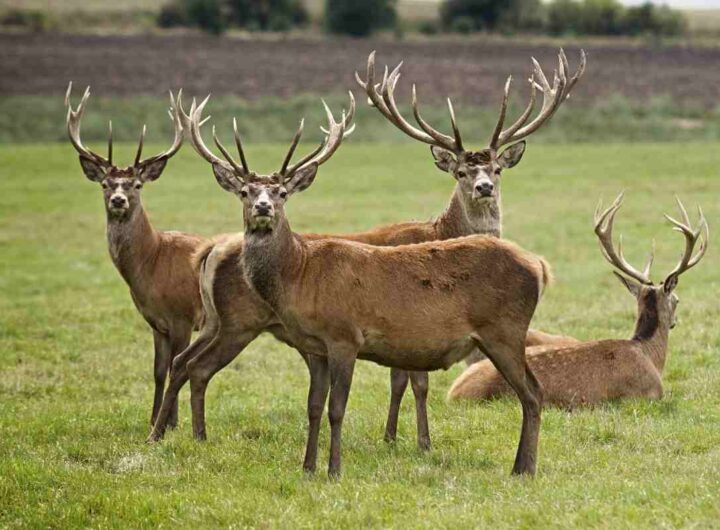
425,356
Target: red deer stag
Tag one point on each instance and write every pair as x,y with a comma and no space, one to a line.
592,372
475,207
344,300
157,266
470,211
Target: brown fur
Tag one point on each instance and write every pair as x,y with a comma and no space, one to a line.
590,372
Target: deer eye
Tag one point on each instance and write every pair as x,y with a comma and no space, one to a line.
138,185
243,193
498,170
462,174
104,185
283,194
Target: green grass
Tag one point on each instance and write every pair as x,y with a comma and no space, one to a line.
76,361
269,119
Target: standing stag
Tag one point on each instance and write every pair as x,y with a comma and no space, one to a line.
592,372
417,307
157,266
475,207
469,211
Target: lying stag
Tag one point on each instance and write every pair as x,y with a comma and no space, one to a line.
592,372
416,307
157,266
475,207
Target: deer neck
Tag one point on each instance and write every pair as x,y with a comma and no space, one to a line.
464,217
271,259
651,332
133,243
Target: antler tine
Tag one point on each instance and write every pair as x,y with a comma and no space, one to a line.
293,146
238,169
331,143
177,140
438,137
372,89
349,126
196,137
501,118
110,139
604,229
456,130
553,96
140,146
702,233
73,120
434,138
238,144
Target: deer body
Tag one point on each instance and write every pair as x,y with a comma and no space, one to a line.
592,372
157,266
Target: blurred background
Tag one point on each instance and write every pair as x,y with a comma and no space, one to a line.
653,67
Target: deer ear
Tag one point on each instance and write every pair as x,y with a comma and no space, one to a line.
152,170
631,285
512,155
444,159
670,283
302,179
93,171
225,176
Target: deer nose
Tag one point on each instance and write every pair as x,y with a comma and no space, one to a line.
263,207
484,188
117,201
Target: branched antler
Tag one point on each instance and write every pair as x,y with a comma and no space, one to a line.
604,230
702,233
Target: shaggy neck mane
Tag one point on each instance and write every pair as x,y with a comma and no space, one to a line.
464,217
270,257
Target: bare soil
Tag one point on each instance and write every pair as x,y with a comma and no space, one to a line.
472,71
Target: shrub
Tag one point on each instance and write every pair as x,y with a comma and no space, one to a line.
462,25
272,15
26,18
172,16
428,27
357,18
493,14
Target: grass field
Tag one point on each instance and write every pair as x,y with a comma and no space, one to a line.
76,361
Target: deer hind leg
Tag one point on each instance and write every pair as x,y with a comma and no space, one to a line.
178,378
508,356
341,363
219,353
420,383
398,383
317,396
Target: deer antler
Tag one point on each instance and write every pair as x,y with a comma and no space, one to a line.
553,97
174,112
382,96
335,133
196,121
702,233
604,229
74,118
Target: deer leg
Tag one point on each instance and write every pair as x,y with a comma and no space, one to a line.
509,359
420,384
161,366
398,384
341,371
178,344
221,351
178,378
317,395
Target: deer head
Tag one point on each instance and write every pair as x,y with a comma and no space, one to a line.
477,172
121,185
264,196
659,298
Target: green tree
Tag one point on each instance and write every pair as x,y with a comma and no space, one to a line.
359,18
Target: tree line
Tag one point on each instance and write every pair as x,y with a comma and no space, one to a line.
361,18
